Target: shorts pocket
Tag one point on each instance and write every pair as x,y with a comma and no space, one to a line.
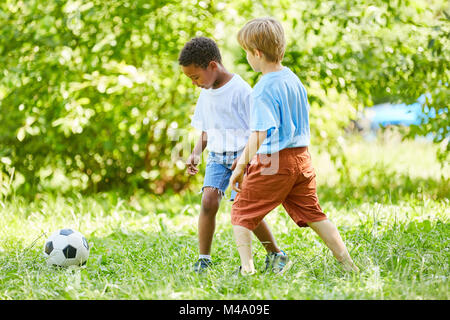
309,172
276,164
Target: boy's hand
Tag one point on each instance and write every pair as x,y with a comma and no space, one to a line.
237,177
234,164
191,164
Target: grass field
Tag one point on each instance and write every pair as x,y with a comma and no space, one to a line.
392,211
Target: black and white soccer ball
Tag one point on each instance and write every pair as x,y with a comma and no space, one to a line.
66,247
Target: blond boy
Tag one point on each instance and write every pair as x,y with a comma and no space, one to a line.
276,159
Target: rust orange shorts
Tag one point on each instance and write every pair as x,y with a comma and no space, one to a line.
286,177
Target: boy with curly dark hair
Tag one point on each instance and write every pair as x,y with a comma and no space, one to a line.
222,115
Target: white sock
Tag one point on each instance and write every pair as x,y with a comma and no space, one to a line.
204,256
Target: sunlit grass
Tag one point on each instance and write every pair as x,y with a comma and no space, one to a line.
143,247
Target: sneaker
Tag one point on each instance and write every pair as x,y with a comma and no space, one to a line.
281,263
269,261
277,263
201,265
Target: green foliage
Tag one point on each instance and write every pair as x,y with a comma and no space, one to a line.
356,53
93,89
91,95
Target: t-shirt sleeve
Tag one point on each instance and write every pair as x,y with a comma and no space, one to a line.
244,107
264,113
197,119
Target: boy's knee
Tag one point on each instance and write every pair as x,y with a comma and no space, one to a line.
211,200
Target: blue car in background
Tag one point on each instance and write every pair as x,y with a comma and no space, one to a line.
387,114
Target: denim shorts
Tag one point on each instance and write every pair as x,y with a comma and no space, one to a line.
218,171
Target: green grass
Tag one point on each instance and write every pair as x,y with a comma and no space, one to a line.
392,213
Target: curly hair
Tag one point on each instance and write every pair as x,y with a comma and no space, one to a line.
199,51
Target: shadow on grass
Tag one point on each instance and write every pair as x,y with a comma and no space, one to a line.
410,256
408,249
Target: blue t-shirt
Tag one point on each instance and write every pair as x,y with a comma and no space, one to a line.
279,105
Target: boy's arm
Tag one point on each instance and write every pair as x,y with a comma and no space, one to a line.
254,142
194,157
201,144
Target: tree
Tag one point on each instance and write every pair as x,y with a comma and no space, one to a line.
92,90
353,54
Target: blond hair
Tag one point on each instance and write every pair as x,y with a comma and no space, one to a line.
265,35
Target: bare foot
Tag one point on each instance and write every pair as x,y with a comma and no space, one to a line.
349,266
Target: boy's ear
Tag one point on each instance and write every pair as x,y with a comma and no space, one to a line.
213,64
258,53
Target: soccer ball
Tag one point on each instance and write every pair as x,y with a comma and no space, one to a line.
66,247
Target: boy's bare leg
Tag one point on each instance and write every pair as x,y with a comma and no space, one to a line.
328,232
207,219
265,236
207,224
243,238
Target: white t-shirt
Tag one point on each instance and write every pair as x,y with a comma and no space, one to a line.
224,114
